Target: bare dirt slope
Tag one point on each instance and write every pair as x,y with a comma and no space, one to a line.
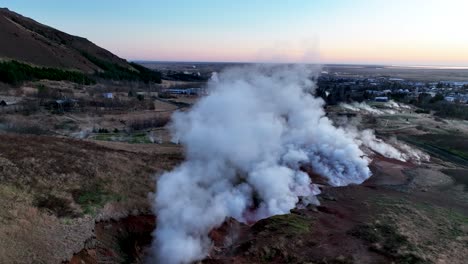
26,40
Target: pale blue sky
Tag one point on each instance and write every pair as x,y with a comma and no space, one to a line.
424,32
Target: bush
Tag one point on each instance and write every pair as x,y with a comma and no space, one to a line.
92,196
445,109
56,205
436,98
422,111
140,124
103,130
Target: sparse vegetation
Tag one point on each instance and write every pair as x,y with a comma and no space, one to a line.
412,232
92,197
135,138
66,125
289,224
140,124
385,239
441,107
54,204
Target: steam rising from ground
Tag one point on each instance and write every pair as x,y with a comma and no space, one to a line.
244,143
358,107
392,108
395,150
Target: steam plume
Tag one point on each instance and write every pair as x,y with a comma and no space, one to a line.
244,144
358,107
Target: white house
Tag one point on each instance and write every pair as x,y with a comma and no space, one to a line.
449,98
108,95
381,99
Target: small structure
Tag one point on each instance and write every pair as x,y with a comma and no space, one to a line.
449,98
196,91
381,99
62,105
108,95
187,91
176,91
396,79
8,100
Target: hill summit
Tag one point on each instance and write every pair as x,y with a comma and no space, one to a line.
23,39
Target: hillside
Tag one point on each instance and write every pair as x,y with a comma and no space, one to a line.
26,40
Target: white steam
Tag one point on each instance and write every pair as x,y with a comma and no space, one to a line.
245,143
395,150
370,144
395,105
391,106
358,107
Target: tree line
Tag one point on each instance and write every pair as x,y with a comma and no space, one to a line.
15,73
113,71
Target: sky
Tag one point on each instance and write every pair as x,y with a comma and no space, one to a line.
397,32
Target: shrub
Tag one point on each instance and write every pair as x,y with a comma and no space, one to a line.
445,109
140,124
56,205
103,130
436,98
422,111
92,196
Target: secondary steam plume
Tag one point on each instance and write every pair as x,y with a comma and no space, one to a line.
358,107
244,144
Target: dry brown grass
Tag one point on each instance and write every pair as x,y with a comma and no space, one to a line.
28,235
53,189
160,106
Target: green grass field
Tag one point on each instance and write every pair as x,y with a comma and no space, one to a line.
453,148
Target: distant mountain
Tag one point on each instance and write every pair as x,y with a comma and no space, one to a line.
26,40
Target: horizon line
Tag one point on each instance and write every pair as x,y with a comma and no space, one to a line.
414,65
